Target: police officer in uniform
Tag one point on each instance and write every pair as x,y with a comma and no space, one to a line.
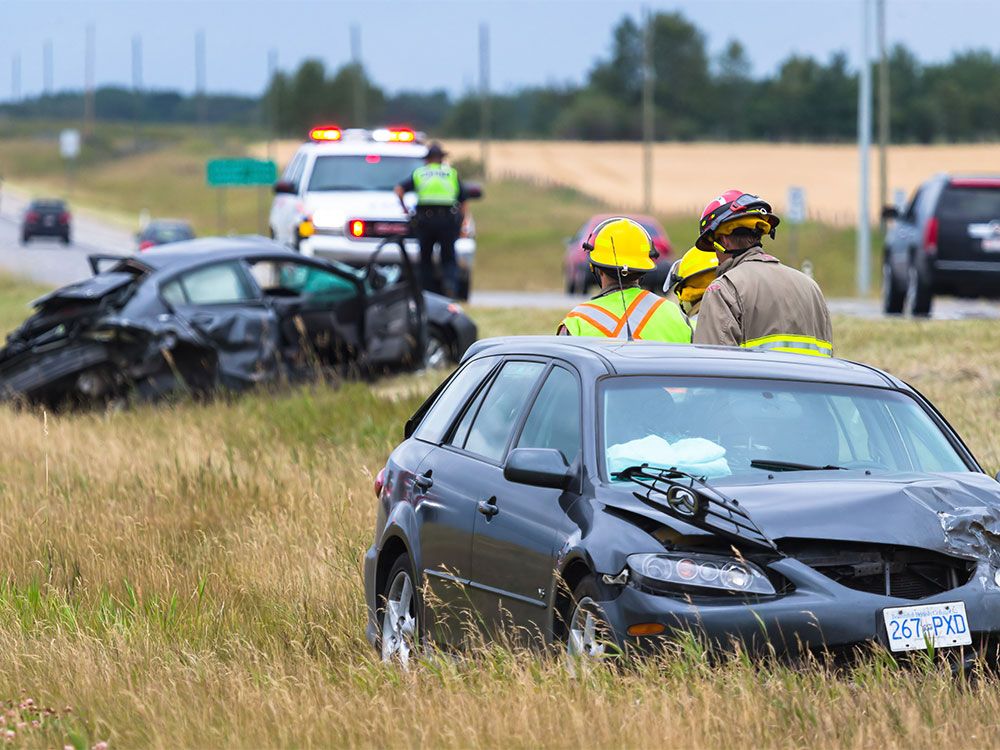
439,215
620,253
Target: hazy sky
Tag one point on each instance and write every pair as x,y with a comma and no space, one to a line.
431,44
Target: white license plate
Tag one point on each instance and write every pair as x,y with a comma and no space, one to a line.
942,625
991,244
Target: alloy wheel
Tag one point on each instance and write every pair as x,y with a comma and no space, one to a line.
436,354
399,621
586,631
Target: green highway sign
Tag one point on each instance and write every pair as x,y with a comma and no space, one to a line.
227,172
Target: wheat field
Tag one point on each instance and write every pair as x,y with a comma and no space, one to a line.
190,577
687,175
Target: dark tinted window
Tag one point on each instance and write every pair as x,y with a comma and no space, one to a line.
443,411
554,421
48,206
969,204
164,233
370,172
500,409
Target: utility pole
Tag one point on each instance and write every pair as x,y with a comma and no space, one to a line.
137,85
88,76
270,102
15,77
648,111
199,74
47,67
864,147
883,113
360,116
484,95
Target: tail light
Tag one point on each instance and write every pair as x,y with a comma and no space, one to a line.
146,244
379,482
326,133
32,216
931,236
356,227
64,217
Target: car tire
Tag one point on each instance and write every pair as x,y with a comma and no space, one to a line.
398,616
440,351
25,238
589,637
893,292
918,292
570,284
65,239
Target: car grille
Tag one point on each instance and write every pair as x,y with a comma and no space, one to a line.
903,572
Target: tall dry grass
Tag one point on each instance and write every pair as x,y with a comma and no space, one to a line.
190,577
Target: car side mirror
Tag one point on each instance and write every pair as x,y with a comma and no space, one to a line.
285,187
473,191
890,212
539,467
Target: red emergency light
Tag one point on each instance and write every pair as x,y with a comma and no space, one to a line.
326,133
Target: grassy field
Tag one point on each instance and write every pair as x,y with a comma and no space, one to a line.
191,577
522,225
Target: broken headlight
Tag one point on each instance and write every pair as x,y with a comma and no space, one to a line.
673,571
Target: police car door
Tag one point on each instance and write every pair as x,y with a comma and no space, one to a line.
396,318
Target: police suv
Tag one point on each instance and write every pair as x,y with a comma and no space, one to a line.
335,198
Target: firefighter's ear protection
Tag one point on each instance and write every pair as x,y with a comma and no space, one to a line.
587,244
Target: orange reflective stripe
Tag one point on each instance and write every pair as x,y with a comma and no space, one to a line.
635,303
649,314
586,318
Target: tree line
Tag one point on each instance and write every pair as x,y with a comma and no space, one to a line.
697,96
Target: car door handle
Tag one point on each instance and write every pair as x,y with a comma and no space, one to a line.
488,507
423,481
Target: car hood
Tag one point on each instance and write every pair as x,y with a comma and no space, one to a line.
331,210
955,514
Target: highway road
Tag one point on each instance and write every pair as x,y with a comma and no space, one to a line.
50,262
47,260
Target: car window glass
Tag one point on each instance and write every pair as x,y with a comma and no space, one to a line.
554,419
173,293
449,402
293,172
360,172
496,418
911,208
461,432
926,446
215,285
292,279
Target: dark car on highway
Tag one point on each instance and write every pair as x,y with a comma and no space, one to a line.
611,496
164,231
224,313
945,241
46,217
576,262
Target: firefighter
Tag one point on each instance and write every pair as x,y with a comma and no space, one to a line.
620,253
688,279
438,218
756,302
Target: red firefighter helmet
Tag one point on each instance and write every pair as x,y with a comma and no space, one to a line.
734,205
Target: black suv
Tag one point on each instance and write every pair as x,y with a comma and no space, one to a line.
945,241
46,218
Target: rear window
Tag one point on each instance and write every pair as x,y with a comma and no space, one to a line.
48,206
362,172
970,204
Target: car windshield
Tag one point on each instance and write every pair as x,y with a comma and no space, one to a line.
719,427
363,172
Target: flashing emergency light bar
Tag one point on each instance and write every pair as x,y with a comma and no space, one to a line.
394,135
326,133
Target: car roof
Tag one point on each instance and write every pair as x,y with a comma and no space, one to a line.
658,358
190,253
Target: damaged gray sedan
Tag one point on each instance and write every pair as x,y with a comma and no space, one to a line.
612,495
210,314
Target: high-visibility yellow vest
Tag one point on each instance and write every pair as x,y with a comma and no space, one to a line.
792,343
436,185
649,316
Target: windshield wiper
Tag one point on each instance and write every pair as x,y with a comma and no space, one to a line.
691,499
770,465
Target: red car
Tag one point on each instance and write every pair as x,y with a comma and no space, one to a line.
579,279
